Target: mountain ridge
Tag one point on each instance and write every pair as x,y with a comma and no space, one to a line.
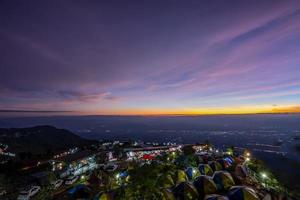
40,139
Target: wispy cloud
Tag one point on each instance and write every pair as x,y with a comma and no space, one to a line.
185,56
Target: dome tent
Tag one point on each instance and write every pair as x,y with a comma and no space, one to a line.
205,169
229,159
180,176
182,161
223,180
105,196
80,191
167,195
185,191
239,160
205,185
215,197
165,181
215,166
242,193
224,163
192,173
241,171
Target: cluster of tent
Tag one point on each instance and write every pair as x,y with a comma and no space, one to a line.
189,191
200,183
205,181
210,168
209,181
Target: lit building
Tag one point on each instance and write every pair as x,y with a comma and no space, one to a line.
138,153
74,164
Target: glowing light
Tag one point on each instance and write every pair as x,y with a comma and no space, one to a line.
264,175
247,159
82,177
117,176
248,154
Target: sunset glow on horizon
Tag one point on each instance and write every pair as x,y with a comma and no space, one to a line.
150,57
196,111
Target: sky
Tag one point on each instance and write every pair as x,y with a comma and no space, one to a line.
150,57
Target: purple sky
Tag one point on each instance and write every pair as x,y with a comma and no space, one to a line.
131,57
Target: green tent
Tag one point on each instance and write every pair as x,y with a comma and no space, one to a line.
205,169
180,176
165,181
106,196
215,166
167,195
223,180
205,185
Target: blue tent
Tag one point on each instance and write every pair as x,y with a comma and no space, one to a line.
80,191
192,173
242,193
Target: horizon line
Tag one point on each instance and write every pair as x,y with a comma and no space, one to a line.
34,111
150,115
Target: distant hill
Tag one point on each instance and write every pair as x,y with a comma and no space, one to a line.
40,139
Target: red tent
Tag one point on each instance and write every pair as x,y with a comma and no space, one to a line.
148,157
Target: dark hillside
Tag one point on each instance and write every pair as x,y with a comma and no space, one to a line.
40,139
